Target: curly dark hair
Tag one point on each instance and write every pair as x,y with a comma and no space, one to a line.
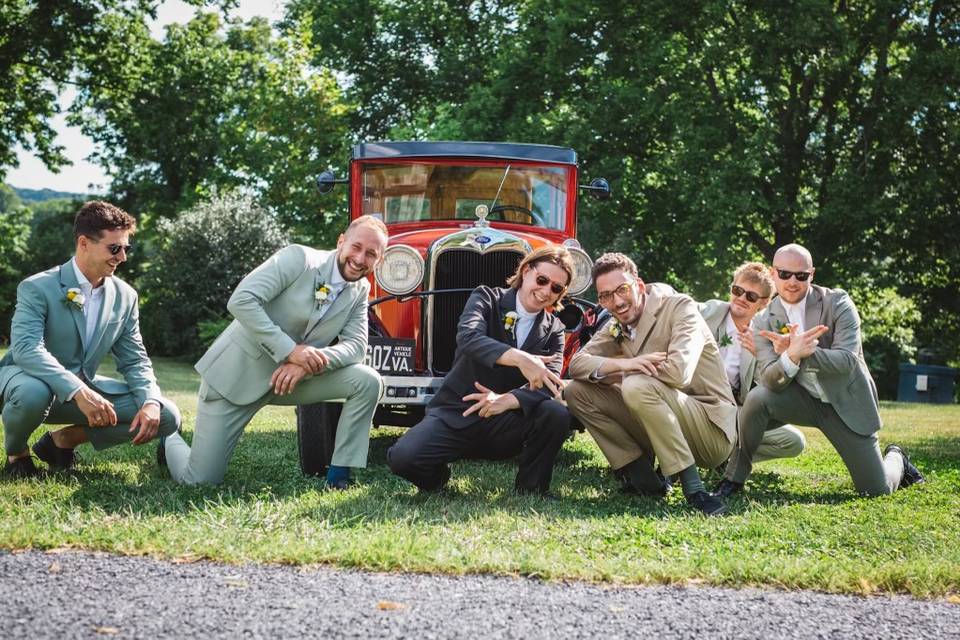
97,216
613,262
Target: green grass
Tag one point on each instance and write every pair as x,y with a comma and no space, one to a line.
801,524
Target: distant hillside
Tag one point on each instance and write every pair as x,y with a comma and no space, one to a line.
41,195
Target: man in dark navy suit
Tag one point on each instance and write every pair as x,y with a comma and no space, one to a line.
500,398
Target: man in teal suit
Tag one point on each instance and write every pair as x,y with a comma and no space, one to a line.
812,373
278,350
731,324
66,321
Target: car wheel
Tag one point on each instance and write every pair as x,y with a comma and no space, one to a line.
316,435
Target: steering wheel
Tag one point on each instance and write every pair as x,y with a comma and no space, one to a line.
500,208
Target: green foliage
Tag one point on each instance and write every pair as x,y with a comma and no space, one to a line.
198,259
14,232
888,322
213,107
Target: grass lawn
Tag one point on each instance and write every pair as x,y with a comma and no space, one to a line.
801,525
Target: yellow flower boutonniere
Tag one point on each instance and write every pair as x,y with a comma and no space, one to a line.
510,323
322,295
782,329
75,298
616,330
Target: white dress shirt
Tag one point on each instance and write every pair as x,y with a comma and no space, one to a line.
806,379
524,322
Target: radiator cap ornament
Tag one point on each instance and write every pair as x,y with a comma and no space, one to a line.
482,211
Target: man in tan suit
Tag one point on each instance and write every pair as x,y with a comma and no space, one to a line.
812,373
650,383
731,324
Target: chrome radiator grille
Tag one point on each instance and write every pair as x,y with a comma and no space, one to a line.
455,269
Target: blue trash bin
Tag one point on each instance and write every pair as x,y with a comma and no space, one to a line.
926,383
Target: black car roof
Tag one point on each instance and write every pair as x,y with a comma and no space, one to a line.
501,150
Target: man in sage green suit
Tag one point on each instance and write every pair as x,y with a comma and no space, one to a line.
812,373
731,323
279,349
67,320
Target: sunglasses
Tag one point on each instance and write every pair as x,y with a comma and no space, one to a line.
736,292
801,276
115,248
623,291
543,281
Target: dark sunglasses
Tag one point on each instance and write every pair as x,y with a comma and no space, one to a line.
749,295
543,281
801,276
115,248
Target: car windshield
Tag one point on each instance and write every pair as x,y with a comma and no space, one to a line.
535,196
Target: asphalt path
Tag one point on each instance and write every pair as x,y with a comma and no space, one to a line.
90,595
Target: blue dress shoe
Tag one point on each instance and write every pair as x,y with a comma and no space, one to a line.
57,458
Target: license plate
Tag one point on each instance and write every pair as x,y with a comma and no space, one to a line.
392,356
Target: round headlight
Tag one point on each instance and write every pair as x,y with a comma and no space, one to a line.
401,270
582,266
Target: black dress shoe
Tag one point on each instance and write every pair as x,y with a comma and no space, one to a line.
543,494
640,478
727,488
21,468
58,458
911,475
707,504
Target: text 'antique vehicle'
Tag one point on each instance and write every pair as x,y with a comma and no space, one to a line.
460,215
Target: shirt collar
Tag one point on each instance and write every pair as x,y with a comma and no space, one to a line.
522,311
336,278
83,282
795,308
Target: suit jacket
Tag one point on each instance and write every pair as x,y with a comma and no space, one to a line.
838,360
715,314
274,310
46,338
670,322
481,339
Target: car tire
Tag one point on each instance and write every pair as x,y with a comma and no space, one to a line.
316,435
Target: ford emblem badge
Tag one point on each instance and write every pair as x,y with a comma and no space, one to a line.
481,239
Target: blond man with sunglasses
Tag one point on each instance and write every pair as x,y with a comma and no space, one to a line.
67,320
731,323
812,373
501,397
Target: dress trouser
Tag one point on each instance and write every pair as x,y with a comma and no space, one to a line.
644,415
421,455
221,422
28,402
766,409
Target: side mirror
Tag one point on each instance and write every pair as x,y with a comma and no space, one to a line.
326,181
599,188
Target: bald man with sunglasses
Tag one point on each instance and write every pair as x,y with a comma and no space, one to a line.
731,324
812,373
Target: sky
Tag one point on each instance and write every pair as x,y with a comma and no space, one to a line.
83,176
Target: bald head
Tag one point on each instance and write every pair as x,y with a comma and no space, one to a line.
794,253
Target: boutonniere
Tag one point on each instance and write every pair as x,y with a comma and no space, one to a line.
322,295
510,323
75,297
782,329
725,340
616,330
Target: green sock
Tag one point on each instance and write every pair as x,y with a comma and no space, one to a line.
690,479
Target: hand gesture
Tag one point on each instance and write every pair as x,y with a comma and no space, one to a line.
147,421
98,411
313,360
746,341
487,403
534,369
802,345
646,363
286,378
780,340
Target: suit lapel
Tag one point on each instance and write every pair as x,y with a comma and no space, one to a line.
778,315
814,308
324,275
68,280
648,318
106,309
508,303
537,332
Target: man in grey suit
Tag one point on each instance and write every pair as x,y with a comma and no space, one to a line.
67,320
812,373
278,350
731,323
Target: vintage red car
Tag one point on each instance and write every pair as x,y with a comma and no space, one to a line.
460,214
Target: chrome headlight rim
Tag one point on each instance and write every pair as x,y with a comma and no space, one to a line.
582,267
382,276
